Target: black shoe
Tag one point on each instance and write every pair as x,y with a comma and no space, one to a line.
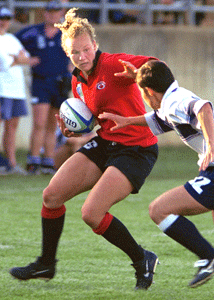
205,272
33,169
145,270
34,270
47,170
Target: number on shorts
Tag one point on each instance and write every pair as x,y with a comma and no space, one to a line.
197,182
91,144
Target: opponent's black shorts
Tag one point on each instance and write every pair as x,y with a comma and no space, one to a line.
135,162
201,188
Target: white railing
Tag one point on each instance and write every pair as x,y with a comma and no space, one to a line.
146,7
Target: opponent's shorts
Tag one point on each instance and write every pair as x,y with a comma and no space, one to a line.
201,188
12,108
48,90
135,162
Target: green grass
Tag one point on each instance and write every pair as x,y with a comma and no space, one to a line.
89,267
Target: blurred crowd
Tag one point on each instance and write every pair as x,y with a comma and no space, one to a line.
159,18
27,44
22,16
39,47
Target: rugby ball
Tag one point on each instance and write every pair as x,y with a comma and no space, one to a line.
77,116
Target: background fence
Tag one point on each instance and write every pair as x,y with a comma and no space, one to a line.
143,8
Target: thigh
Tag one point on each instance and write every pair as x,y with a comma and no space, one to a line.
112,187
201,188
78,174
176,201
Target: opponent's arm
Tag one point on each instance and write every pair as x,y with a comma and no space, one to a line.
24,59
205,117
121,121
130,71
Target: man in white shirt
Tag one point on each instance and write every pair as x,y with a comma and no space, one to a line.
176,108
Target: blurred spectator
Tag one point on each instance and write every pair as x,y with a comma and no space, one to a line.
207,18
166,17
22,15
115,16
51,80
12,90
20,20
200,16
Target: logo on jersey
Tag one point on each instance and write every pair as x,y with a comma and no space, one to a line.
41,42
80,92
101,85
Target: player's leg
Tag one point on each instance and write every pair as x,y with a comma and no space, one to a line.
116,183
78,174
113,187
168,212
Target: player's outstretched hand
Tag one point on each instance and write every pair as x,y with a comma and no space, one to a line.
118,120
130,71
67,133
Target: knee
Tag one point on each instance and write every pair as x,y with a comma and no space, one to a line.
49,198
89,217
154,212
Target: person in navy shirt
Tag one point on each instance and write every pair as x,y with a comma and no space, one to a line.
50,85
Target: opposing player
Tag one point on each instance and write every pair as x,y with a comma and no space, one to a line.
111,165
178,109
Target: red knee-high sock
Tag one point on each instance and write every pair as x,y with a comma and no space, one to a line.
117,234
52,226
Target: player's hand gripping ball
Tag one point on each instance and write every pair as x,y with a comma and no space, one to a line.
77,116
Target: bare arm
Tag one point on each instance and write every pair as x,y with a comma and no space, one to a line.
121,121
130,71
205,117
23,59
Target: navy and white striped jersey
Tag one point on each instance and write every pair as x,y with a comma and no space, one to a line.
178,111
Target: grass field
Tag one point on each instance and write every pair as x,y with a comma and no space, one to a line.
89,267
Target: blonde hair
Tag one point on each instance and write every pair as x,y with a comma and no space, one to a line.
74,26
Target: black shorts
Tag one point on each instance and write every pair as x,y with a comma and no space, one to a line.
201,188
135,162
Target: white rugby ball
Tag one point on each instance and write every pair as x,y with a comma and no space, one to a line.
77,116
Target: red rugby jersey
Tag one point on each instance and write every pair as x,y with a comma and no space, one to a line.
104,92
